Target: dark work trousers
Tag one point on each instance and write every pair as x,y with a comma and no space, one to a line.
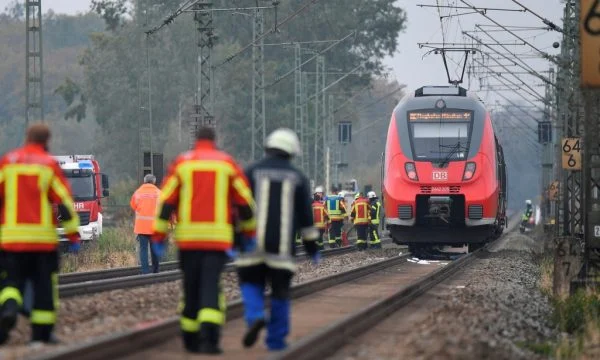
204,305
320,239
41,268
335,232
361,235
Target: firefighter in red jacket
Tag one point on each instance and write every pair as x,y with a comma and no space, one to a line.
320,217
31,181
361,215
200,187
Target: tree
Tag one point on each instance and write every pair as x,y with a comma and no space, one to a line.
111,11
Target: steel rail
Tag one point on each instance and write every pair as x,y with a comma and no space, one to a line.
126,342
339,333
126,282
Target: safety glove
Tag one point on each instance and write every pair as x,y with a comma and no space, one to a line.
248,243
75,242
232,254
159,243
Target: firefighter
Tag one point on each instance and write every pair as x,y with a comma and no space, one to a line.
336,209
361,216
144,202
29,243
375,208
200,187
320,217
282,199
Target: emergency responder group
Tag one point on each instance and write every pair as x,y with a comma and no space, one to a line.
222,211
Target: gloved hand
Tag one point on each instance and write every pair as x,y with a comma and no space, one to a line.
158,237
75,242
248,243
74,247
159,248
316,258
232,253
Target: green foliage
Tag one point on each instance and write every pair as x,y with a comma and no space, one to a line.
111,11
571,314
69,91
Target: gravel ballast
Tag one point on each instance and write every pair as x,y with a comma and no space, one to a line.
493,311
84,317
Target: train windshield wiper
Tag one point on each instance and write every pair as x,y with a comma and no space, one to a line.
455,148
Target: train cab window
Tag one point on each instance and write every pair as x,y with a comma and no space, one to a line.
439,136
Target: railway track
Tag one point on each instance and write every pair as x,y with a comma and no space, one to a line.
98,281
334,308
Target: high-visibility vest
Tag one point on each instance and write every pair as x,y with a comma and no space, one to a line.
360,211
319,215
201,186
375,212
335,208
145,203
31,181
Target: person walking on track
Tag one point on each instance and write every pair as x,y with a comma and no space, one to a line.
361,216
283,204
206,188
145,202
31,182
375,207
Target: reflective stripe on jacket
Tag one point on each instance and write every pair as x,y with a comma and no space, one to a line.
375,212
320,215
31,181
360,211
201,186
145,203
336,208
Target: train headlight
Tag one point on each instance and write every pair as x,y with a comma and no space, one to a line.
411,171
469,171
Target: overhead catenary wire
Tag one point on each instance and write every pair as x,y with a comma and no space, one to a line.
550,24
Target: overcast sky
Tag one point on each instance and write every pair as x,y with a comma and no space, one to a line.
409,66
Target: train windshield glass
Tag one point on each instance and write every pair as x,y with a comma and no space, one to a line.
440,136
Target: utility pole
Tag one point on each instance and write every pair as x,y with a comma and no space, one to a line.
304,127
34,70
203,115
258,85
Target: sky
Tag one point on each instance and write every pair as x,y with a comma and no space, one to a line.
409,66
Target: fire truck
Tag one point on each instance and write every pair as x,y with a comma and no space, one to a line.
89,186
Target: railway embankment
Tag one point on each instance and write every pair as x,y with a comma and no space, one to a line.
494,309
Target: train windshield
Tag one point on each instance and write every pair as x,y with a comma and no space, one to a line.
440,136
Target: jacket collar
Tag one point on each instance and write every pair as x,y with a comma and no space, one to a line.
33,147
205,145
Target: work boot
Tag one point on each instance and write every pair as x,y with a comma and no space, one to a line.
209,339
8,319
252,334
42,333
191,341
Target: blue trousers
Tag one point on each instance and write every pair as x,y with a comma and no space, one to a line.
144,241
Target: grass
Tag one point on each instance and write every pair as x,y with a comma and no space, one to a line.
116,247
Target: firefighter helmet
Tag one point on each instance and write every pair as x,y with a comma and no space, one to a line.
319,190
358,194
372,195
528,202
284,139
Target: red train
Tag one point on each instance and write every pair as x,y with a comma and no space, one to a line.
443,176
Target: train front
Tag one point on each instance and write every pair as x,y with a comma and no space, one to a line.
440,176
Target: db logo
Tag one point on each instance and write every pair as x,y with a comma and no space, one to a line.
78,206
439,175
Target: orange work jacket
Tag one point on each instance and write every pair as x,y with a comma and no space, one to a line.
361,211
201,186
320,215
31,181
145,203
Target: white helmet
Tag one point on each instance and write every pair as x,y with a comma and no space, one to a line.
318,189
528,202
371,195
341,194
284,139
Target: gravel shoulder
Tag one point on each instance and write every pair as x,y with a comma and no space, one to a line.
85,317
491,310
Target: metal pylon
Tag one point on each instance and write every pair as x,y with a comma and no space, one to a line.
258,85
304,139
571,114
319,149
203,111
34,62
